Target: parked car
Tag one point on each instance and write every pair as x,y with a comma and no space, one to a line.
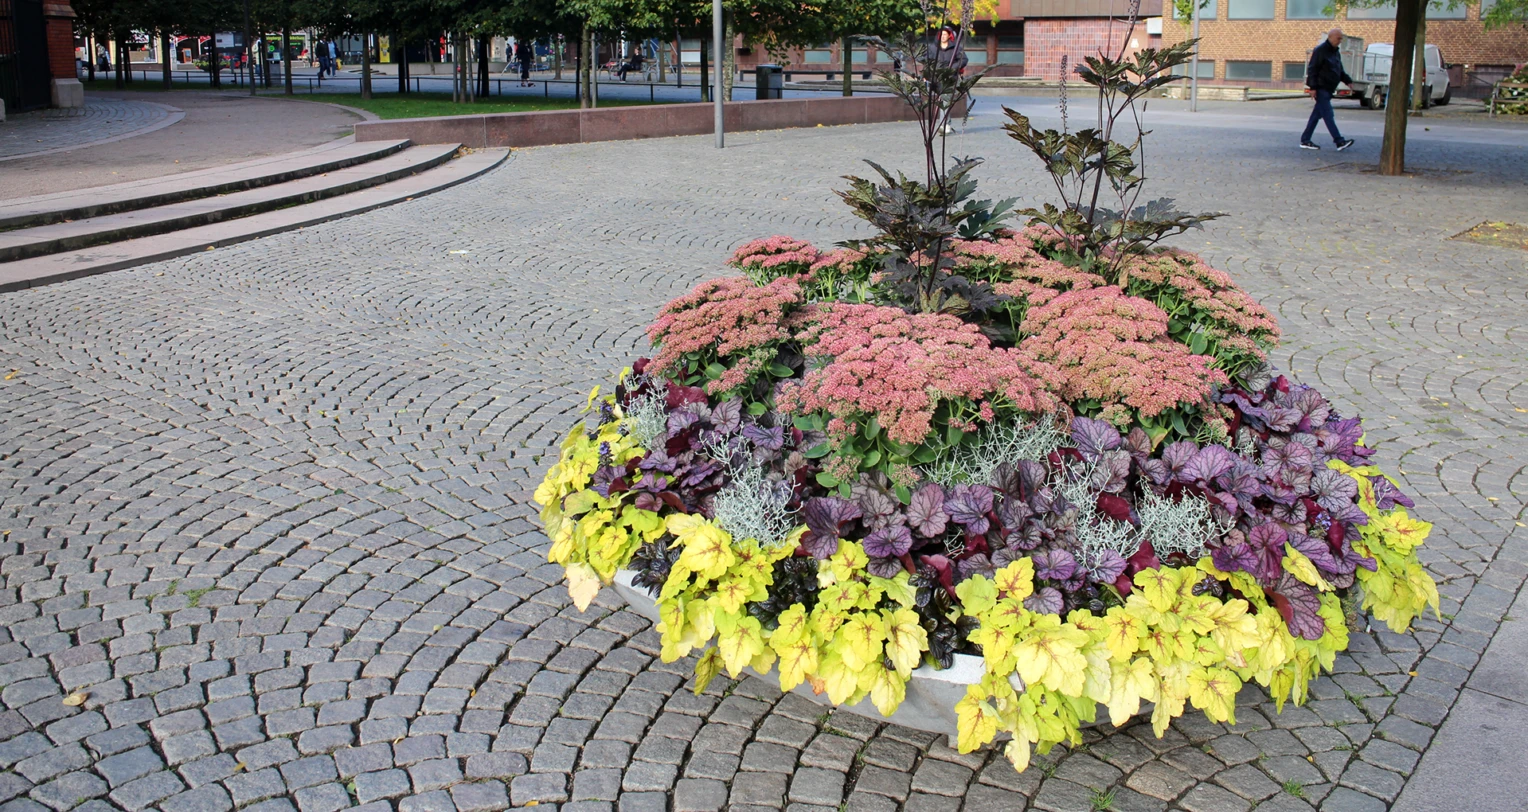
1377,64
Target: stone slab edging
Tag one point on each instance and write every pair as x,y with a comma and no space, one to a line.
549,127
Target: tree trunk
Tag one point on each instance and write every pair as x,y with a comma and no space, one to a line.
594,70
557,57
662,62
846,51
121,54
484,44
728,56
286,57
1419,98
365,66
1392,153
705,73
214,62
585,58
164,58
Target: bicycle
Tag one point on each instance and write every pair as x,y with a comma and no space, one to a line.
647,72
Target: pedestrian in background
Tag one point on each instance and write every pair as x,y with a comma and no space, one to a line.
1322,75
524,55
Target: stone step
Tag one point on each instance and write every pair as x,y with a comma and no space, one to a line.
56,237
78,204
116,256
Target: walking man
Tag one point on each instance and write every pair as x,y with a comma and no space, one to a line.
1322,76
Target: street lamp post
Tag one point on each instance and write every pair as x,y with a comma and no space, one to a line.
249,51
716,89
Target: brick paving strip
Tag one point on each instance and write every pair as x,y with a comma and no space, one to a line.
100,121
268,507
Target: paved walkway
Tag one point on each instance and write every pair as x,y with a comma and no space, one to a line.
268,507
217,128
101,119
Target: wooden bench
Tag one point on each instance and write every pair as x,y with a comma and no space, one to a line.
1498,93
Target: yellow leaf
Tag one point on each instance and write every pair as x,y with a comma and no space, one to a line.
583,585
1017,580
975,720
905,641
887,691
75,699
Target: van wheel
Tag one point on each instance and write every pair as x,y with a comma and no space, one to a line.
1448,93
1379,100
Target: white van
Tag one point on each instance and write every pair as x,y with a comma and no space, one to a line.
1377,61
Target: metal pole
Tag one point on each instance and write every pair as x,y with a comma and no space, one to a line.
716,92
249,50
1193,65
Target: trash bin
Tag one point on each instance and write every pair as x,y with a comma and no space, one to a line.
769,82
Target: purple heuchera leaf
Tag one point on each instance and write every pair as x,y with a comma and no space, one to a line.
1107,567
926,511
968,506
1300,606
889,542
1054,565
973,565
825,517
1312,406
878,508
1208,462
1094,437
1157,471
1046,600
1006,556
1282,419
1138,443
1318,551
771,439
1111,471
1333,489
1387,495
728,415
885,567
1235,557
1267,542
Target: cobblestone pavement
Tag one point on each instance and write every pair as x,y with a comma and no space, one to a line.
268,507
98,120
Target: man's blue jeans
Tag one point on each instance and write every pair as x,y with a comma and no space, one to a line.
1322,112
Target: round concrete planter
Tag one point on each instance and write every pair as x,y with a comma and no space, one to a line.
931,693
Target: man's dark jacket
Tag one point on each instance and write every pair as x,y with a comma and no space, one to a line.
1325,69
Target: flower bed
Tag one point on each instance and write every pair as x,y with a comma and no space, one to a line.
1058,449
844,491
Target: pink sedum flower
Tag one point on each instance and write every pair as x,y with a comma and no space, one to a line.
732,318
779,255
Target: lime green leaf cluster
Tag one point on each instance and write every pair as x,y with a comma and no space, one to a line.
592,536
1399,589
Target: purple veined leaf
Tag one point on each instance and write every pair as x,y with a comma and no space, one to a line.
1138,443
1031,537
1032,476
1224,501
885,567
1259,377
1156,471
1054,564
1343,434
1106,567
1177,455
1280,460
819,544
1269,535
1387,495
1208,462
1006,481
825,518
1318,551
1094,437
968,506
1005,556
925,511
1282,419
1013,513
648,501
1300,606
1243,480
1333,489
977,564
1349,513
771,439
1110,471
658,459
1044,501
1253,413
1235,558
889,542
728,416
1312,405
1267,543
879,509
681,420
604,477
699,473
1352,556
1046,601
1291,513
1343,580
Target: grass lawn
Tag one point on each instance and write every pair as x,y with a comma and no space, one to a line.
425,105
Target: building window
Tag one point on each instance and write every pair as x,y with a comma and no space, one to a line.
1250,71
977,56
818,57
1206,10
1250,10
1206,69
1309,10
1385,12
1010,50
1437,10
1294,71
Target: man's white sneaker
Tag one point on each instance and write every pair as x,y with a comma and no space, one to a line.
1344,145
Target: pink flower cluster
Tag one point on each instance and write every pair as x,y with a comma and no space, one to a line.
731,318
1115,349
898,367
775,252
840,260
1238,320
1034,277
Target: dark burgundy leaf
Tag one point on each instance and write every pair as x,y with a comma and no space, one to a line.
1046,601
1114,507
926,511
941,567
1094,437
889,542
1144,558
1138,443
678,395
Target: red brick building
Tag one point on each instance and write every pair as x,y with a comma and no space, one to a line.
37,66
1265,43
